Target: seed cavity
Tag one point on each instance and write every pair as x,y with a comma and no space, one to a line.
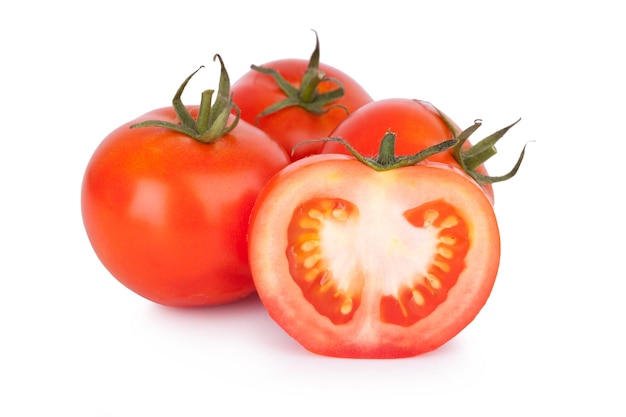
316,230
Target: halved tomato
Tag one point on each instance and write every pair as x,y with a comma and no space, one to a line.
355,262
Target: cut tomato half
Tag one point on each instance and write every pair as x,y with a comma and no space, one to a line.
353,262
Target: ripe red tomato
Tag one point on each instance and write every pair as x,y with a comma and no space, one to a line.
167,215
417,125
295,100
354,262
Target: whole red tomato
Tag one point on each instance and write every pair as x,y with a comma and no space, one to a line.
166,200
358,262
295,101
417,125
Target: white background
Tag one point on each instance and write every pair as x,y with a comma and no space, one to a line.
549,341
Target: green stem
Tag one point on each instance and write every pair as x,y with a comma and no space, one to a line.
387,150
313,76
204,113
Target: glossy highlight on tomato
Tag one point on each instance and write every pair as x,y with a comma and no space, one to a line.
354,262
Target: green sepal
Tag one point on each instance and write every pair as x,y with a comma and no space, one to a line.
487,179
212,121
307,96
480,152
386,158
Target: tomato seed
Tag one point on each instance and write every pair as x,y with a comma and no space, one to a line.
418,298
316,214
309,245
430,216
448,240
311,260
340,214
450,221
346,306
445,252
433,281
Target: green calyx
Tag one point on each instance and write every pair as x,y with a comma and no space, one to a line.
387,158
475,156
212,121
307,96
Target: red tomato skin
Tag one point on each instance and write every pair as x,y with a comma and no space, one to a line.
167,215
254,92
365,336
417,126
